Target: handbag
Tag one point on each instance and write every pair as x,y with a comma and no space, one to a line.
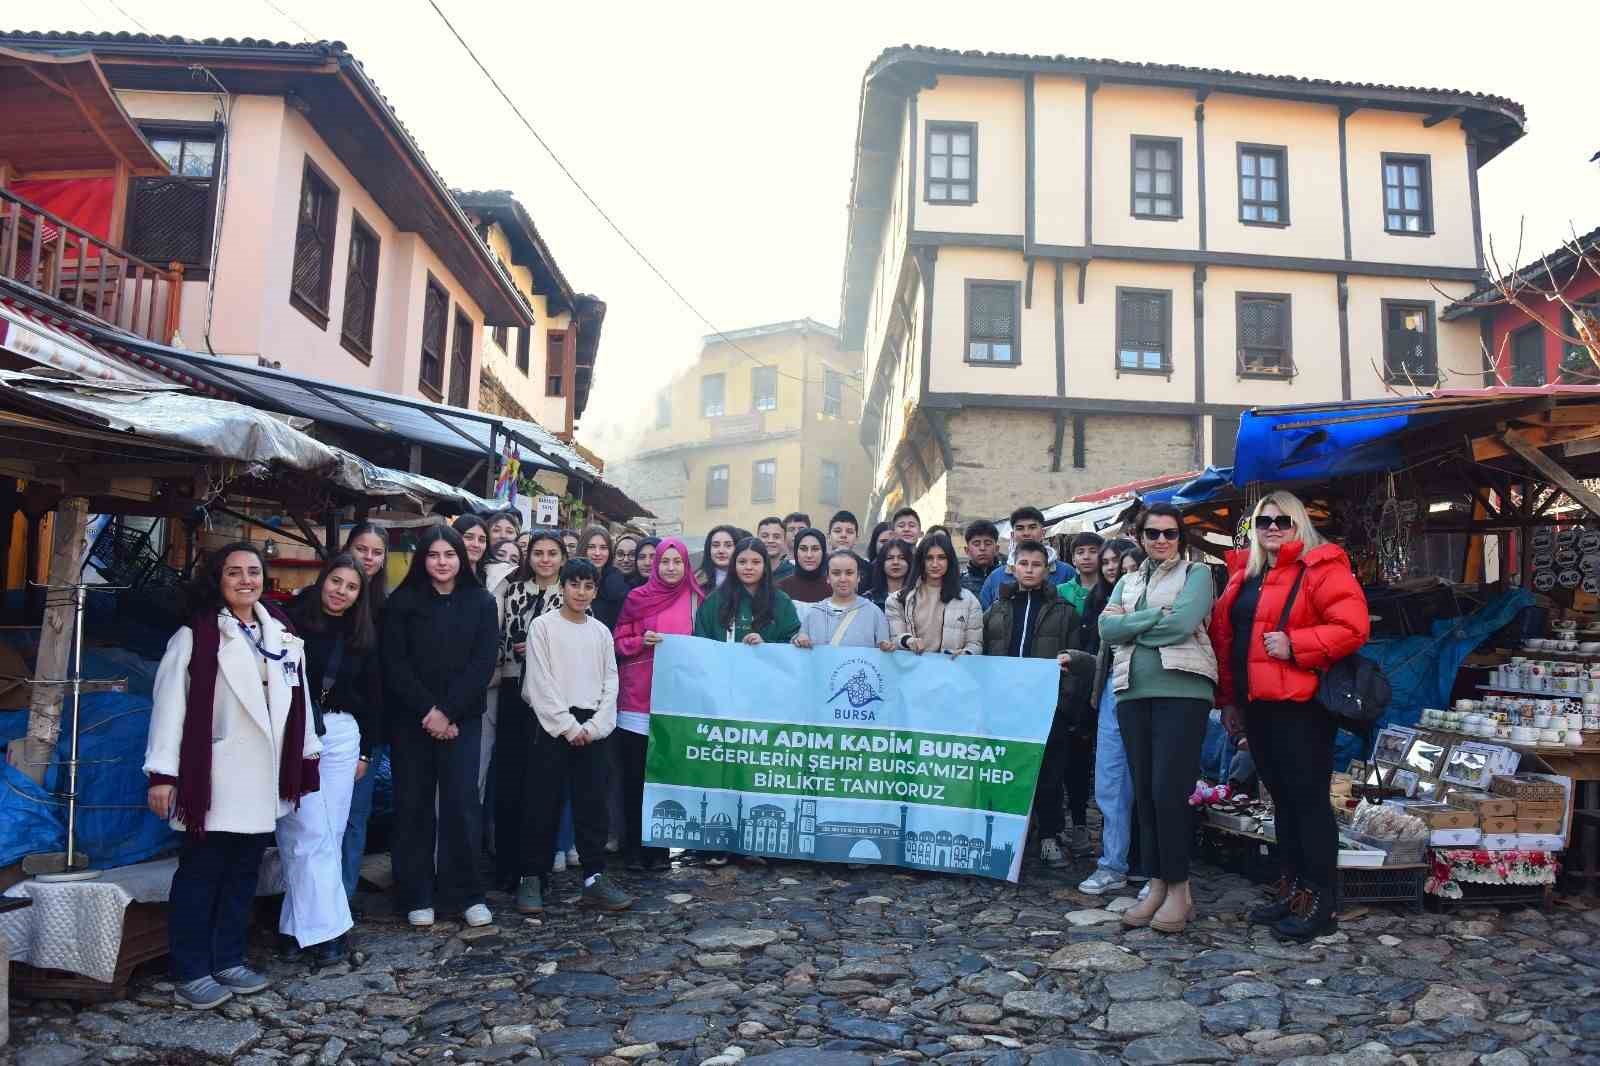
1353,689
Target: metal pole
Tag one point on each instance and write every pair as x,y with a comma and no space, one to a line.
72,759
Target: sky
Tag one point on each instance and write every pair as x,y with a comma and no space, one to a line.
719,136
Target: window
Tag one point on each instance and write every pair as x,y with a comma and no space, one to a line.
1144,331
764,388
764,480
1157,188
1409,353
502,338
1263,185
170,219
832,392
524,344
435,313
1262,323
313,244
994,309
711,389
360,290
952,163
555,362
828,493
1527,356
1577,367
663,409
461,362
1224,439
1407,194
717,486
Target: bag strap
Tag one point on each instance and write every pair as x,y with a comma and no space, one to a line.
844,624
1288,604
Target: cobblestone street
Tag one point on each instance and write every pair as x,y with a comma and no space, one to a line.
794,964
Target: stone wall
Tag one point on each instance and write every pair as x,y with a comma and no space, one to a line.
1002,459
659,484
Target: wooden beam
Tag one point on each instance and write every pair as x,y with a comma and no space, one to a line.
32,757
1552,471
1484,448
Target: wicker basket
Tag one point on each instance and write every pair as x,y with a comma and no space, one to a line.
1526,788
1382,884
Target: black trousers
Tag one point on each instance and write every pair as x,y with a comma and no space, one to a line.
208,912
631,749
1163,738
553,764
425,768
512,785
1049,818
1292,744
1079,766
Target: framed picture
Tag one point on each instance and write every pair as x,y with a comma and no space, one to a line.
1405,781
1469,765
1377,775
1425,757
1428,789
1357,769
1392,743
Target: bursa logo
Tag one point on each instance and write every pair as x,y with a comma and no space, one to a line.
857,684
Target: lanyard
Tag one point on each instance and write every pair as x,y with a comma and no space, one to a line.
249,630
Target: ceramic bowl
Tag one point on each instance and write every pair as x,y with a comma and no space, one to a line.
1524,734
1549,736
1574,738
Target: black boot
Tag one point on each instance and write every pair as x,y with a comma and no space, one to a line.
1319,918
328,953
1284,899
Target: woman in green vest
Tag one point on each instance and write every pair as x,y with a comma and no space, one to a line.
748,609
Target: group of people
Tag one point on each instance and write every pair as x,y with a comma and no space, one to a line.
509,675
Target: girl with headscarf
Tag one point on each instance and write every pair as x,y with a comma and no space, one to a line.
809,582
663,606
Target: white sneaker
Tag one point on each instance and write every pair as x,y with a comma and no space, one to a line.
478,915
1144,893
421,918
572,857
1050,852
1102,881
559,863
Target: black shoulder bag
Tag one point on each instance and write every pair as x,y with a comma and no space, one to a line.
1353,689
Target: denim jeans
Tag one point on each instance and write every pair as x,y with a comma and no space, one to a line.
1113,788
355,830
566,838
208,910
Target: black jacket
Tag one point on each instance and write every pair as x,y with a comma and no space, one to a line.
438,651
609,597
973,576
1055,630
357,691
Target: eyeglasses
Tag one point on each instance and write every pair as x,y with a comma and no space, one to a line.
1160,534
1274,521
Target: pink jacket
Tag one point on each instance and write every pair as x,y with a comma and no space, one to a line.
636,661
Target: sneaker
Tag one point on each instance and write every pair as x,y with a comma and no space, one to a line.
203,993
605,896
478,916
572,858
1050,852
1144,893
1102,881
1078,842
242,980
559,863
530,896
421,918
717,858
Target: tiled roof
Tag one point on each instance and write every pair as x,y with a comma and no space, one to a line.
1536,273
102,37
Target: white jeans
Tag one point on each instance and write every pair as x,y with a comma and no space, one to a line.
311,842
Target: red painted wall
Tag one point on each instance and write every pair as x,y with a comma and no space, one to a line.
1507,319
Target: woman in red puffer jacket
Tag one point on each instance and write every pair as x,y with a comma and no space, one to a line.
1267,677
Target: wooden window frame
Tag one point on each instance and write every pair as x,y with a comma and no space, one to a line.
928,180
1534,330
755,481
201,270
1135,141
434,390
1425,214
722,401
555,384
756,396
832,399
1015,288
1286,358
727,485
1165,370
1433,341
502,338
1246,148
832,498
525,350
460,325
358,345
315,306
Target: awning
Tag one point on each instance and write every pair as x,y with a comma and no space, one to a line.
32,336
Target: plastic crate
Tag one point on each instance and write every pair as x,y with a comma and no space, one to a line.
1389,885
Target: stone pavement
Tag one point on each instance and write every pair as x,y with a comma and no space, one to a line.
800,965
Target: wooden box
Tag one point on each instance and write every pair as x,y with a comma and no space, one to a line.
1499,825
1484,805
1541,826
1441,816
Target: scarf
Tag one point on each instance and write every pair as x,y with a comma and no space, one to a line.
808,586
297,775
655,596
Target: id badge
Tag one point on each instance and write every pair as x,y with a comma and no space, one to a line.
291,673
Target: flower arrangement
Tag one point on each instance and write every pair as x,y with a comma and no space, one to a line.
1449,868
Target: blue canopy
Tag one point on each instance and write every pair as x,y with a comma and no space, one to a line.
1285,444
1212,480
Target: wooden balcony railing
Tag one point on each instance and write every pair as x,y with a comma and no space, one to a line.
59,259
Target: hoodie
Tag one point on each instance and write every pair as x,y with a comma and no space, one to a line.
865,625
1059,574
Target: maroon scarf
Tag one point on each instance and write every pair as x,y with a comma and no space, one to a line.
297,775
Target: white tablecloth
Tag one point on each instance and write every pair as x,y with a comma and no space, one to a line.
77,925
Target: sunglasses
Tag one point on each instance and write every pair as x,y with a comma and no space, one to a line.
1161,534
1277,521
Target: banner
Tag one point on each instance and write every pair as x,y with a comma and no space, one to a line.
846,754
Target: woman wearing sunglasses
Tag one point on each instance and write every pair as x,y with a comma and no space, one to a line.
1163,672
1291,607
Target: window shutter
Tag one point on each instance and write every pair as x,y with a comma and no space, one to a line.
1261,324
1140,323
169,221
993,313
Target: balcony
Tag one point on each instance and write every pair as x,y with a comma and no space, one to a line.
69,264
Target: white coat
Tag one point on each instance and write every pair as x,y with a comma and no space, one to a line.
247,722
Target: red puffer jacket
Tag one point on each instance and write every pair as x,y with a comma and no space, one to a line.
1328,622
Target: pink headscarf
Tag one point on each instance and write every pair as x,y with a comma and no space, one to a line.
656,596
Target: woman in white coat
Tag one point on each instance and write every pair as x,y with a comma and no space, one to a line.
934,612
230,752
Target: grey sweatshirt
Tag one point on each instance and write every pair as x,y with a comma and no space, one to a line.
865,624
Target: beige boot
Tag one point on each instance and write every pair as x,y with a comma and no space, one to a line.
1176,912
1138,916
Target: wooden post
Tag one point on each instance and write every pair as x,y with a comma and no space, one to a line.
9,497
1542,463
55,641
